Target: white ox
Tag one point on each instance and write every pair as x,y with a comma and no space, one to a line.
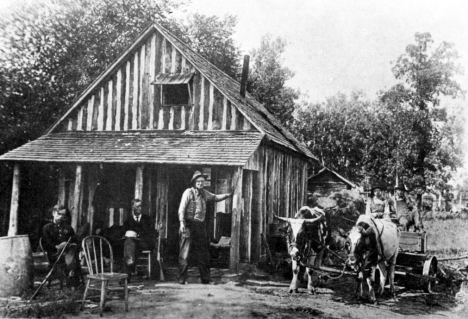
373,243
306,241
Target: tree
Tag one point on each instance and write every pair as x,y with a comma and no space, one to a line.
211,37
427,75
267,79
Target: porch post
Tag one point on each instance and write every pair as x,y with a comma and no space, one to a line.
13,227
76,211
139,183
236,220
61,194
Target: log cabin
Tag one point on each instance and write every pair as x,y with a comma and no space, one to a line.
140,130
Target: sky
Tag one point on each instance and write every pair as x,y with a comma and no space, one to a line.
341,46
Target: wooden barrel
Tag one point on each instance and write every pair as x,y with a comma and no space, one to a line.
16,265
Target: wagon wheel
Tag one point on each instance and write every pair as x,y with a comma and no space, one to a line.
430,270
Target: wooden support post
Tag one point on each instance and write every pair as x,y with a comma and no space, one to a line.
61,191
139,183
92,185
236,221
76,211
15,192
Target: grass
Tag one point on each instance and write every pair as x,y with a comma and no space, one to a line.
447,237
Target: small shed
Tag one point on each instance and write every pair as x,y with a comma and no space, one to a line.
327,181
140,130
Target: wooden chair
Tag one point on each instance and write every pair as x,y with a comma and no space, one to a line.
60,269
144,261
94,248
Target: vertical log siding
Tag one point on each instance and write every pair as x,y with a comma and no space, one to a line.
126,100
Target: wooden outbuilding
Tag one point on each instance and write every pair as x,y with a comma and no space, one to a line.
142,128
327,181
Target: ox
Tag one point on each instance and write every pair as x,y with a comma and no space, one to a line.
306,240
373,243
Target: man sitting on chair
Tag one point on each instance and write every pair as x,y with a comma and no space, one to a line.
140,235
54,239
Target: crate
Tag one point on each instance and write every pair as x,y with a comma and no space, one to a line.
413,242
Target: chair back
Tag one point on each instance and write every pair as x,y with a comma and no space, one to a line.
46,256
95,249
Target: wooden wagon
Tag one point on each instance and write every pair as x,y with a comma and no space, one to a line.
414,268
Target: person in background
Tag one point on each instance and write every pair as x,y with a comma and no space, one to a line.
193,235
377,202
55,236
405,210
140,234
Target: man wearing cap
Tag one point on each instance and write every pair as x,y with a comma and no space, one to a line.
55,236
405,210
139,235
193,236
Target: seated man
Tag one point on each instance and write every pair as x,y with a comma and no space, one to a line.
139,235
405,210
54,239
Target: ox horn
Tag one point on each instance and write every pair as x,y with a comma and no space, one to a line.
284,219
312,220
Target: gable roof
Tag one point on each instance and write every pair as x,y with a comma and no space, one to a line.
327,170
260,118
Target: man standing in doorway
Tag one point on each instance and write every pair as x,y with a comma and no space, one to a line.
140,234
193,235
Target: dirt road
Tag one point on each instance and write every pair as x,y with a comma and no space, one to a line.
267,299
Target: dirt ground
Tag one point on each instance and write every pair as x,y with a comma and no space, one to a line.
249,298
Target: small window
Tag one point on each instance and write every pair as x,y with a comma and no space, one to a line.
175,94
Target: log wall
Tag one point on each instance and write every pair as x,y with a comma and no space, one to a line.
126,100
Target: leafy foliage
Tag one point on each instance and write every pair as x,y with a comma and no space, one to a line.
267,79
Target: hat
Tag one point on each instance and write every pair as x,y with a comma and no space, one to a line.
378,185
196,175
131,234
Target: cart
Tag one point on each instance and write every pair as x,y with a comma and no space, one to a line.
414,268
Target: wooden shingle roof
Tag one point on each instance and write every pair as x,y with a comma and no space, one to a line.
169,147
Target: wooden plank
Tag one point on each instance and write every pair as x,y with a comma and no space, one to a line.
246,221
224,120
157,70
236,221
100,120
15,194
174,65
161,119
76,210
118,100
135,92
195,117
170,126
89,115
206,103
168,57
141,96
183,116
152,76
139,183
218,110
61,190
233,118
177,117
110,95
209,125
79,125
246,126
202,104
96,102
183,65
93,182
239,121
127,96
70,124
